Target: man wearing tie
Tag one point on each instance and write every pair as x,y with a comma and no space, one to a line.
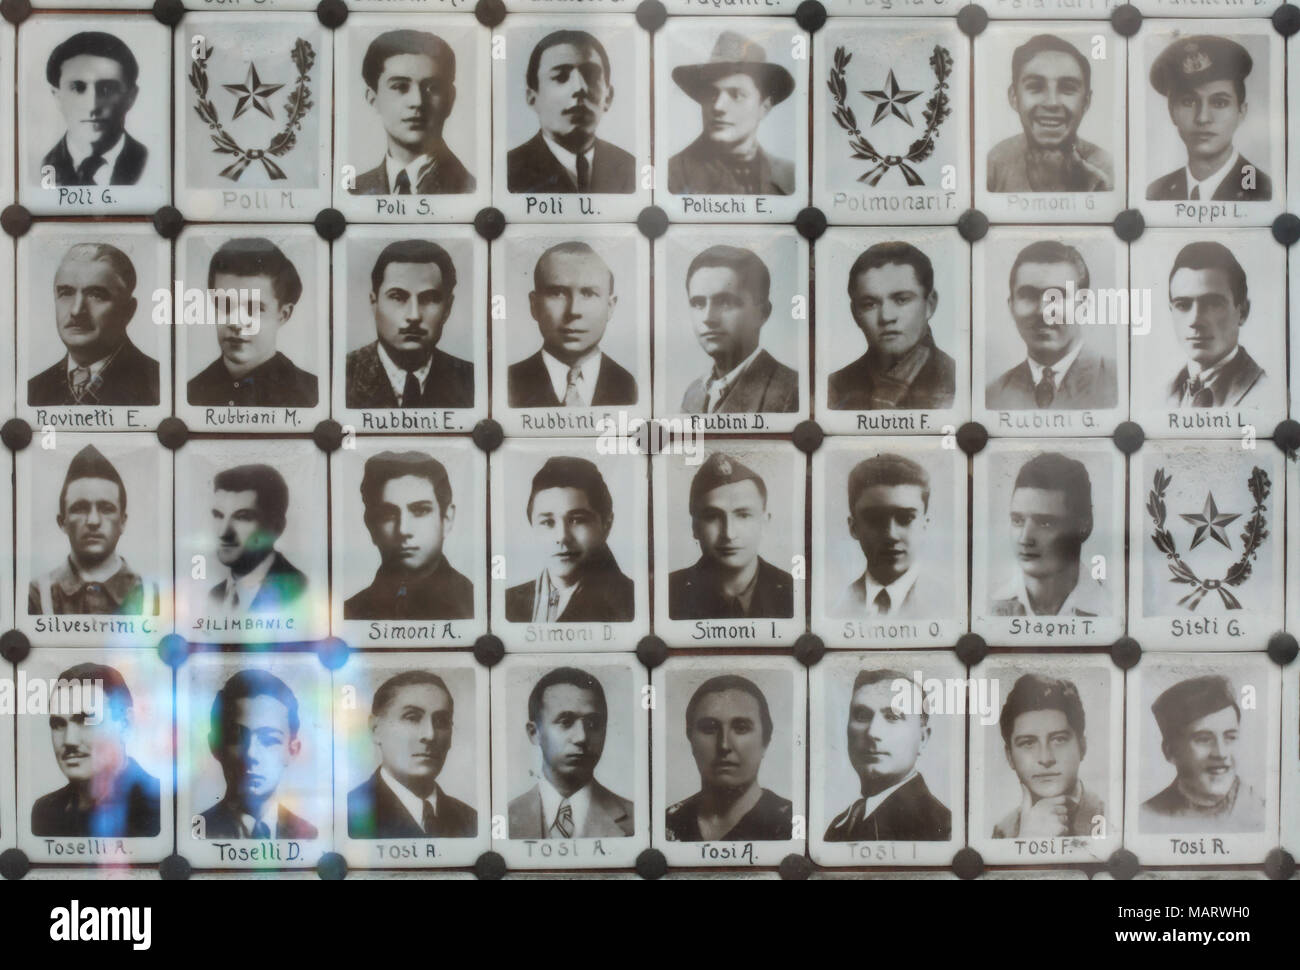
249,507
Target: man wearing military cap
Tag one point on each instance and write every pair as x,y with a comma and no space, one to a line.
1200,724
1204,80
735,90
730,580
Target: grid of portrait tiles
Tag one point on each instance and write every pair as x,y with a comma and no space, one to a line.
735,441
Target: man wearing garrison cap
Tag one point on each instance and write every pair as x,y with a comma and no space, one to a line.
1204,80
93,578
1200,723
730,580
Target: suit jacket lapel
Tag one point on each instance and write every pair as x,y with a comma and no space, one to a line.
746,395
1080,380
605,809
371,381
548,161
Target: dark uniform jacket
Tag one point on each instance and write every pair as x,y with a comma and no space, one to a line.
934,386
437,594
131,809
446,176
531,167
770,820
126,170
450,383
283,585
223,822
1229,386
910,814
695,593
605,594
765,385
699,169
278,383
529,385
1240,810
1089,383
122,594
131,377
1173,187
374,812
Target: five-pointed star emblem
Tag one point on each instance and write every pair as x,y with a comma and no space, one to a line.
890,100
1210,522
254,92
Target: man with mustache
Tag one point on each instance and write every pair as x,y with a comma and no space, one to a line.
249,508
1051,89
571,514
108,794
253,734
93,78
1060,371
572,301
254,288
411,726
569,86
94,302
729,727
1200,725
1042,724
567,721
1204,82
410,80
888,728
412,288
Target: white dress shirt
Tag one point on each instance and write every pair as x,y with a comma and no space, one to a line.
1210,184
247,585
567,159
104,174
579,803
1087,595
397,375
415,170
412,802
897,591
1059,369
542,592
588,372
718,389
1209,373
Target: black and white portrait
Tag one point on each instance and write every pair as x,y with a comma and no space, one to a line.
407,312
253,344
731,769
1205,556
896,304
422,93
1046,759
252,554
888,778
253,734
253,104
409,519
94,116
97,767
411,767
1048,543
570,749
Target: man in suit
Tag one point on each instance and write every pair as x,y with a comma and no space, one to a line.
412,287
1200,725
1203,80
93,578
572,301
892,298
1209,303
1051,90
410,80
1051,518
93,78
730,580
728,292
249,506
1060,371
411,727
569,87
735,89
408,512
1042,724
889,515
885,741
570,512
567,719
254,288
94,303
108,794
253,734
729,727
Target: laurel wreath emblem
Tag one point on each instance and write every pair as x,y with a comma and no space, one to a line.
296,105
1252,536
936,110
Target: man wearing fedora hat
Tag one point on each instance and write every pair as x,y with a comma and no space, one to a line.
735,90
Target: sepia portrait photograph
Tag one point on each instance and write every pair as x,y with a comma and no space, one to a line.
409,329
729,734
1048,543
411,760
570,771
888,759
95,767
409,516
